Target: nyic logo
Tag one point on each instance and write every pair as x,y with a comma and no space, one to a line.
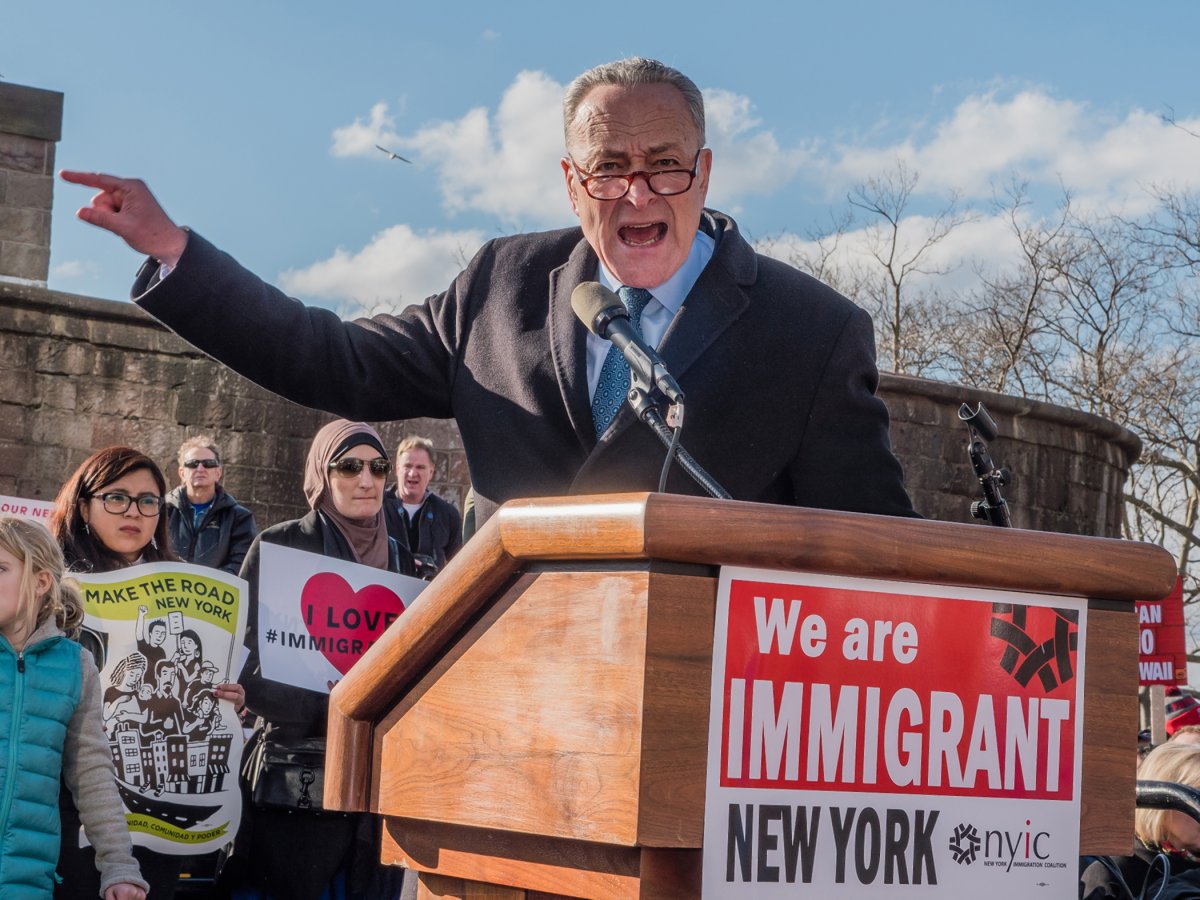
1023,848
964,844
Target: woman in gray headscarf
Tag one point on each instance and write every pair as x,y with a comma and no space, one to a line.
298,853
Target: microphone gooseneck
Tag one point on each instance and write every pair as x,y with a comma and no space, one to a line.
604,315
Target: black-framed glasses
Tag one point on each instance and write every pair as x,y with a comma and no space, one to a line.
206,463
115,502
665,182
352,466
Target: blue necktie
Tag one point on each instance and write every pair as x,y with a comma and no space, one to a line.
614,375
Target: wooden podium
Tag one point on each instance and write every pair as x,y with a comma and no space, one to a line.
535,724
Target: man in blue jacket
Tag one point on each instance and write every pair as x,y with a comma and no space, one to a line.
207,525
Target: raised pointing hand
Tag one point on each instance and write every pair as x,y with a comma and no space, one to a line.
126,207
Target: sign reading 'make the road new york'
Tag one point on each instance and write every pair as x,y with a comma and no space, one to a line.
885,739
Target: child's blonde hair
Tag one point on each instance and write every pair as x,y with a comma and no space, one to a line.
1179,763
38,552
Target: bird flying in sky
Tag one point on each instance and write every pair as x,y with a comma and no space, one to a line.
392,155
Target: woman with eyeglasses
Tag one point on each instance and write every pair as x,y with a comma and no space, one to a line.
109,516
296,853
109,513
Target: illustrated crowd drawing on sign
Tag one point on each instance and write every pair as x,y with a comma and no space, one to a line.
164,724
165,636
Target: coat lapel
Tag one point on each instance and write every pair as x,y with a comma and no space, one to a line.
568,341
714,303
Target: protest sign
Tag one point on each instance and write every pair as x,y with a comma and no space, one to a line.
1162,639
881,739
318,615
38,510
164,634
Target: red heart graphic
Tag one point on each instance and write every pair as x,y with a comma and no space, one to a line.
345,622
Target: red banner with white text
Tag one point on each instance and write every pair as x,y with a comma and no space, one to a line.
870,736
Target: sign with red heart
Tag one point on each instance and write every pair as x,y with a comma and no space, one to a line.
317,616
343,621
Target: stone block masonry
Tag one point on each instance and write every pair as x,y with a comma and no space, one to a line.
30,127
78,374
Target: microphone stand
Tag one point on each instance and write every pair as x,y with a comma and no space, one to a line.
981,428
647,410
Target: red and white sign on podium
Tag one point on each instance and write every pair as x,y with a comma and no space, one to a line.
869,737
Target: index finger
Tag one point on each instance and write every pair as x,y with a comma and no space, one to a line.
91,179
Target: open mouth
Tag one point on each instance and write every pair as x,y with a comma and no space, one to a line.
642,235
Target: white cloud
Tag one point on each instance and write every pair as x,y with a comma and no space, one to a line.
982,138
491,34
75,270
359,138
746,158
505,162
950,266
398,267
1102,160
1131,155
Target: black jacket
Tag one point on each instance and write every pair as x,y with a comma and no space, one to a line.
779,371
329,842
223,538
1142,877
439,526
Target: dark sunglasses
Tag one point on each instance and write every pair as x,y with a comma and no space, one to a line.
352,466
197,463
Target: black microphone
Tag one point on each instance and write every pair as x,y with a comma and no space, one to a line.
604,315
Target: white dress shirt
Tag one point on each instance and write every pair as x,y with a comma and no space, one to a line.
659,312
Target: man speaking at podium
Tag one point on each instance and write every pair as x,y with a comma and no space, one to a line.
778,369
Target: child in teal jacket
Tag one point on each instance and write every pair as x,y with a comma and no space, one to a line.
50,726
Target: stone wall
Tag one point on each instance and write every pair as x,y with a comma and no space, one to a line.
77,374
1069,466
30,125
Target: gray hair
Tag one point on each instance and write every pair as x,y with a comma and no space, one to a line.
628,73
199,442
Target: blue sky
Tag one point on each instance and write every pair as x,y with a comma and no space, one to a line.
253,122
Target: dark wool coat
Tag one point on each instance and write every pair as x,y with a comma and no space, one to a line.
439,526
223,538
778,370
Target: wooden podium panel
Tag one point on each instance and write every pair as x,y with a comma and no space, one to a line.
532,723
537,720
547,719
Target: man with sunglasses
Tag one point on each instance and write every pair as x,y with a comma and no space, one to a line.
777,368
206,524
